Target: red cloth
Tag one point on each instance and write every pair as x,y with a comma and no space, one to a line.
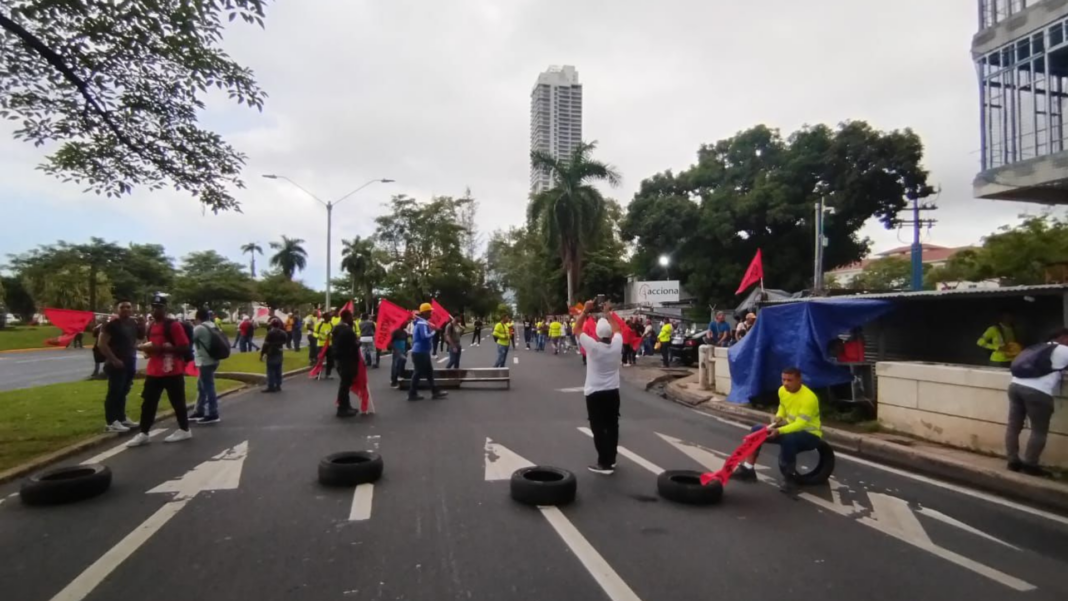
359,386
245,327
440,316
166,364
390,317
589,328
348,307
754,274
319,364
749,444
69,322
262,312
629,337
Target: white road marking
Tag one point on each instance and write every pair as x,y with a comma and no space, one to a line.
222,472
501,462
42,360
895,517
443,360
720,419
361,503
572,389
941,517
108,454
712,462
636,458
515,360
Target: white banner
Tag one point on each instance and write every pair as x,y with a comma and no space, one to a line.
655,293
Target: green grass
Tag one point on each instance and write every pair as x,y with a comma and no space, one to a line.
249,363
230,329
30,337
37,421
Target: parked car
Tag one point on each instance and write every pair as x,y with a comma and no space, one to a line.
684,347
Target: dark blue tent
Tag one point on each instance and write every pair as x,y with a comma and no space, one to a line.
797,335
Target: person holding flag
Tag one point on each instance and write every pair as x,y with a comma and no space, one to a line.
346,350
422,343
602,384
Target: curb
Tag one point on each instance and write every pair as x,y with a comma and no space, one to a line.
100,439
33,350
1032,491
250,378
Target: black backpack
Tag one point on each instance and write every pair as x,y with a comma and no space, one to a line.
1034,361
188,329
219,347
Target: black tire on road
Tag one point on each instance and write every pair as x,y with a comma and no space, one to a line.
543,485
823,470
684,486
65,484
350,468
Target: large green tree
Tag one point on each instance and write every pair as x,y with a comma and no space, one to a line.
97,261
291,256
119,86
889,273
207,279
365,266
279,292
1033,252
757,190
251,249
141,271
572,211
18,299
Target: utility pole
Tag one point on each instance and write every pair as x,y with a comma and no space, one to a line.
821,242
917,248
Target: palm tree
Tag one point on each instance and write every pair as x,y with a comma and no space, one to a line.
573,211
291,256
252,248
359,260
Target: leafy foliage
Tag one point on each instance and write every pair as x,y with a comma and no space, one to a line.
119,86
365,265
251,249
279,292
18,299
1033,252
757,190
207,279
890,273
291,256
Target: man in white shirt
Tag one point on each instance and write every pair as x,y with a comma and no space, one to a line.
602,386
1036,377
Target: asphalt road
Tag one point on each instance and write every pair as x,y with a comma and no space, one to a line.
435,528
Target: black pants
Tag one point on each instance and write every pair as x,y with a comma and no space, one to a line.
329,360
154,387
665,353
476,338
421,368
119,383
603,410
346,373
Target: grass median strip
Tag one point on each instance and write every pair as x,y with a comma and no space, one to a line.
30,337
249,363
37,421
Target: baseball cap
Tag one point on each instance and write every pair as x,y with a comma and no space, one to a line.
159,298
423,308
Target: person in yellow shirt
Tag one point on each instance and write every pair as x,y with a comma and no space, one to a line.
502,335
556,331
323,328
664,338
289,330
1000,340
796,428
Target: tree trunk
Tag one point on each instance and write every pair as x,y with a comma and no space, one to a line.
253,266
92,287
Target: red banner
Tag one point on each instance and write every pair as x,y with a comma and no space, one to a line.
754,274
440,316
629,337
749,445
319,363
390,317
348,307
69,322
589,328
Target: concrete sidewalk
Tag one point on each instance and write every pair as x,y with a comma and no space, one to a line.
946,463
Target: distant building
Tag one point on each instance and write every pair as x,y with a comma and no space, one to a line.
555,119
933,255
1021,55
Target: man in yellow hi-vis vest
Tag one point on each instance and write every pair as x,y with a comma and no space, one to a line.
1000,340
503,338
323,328
664,339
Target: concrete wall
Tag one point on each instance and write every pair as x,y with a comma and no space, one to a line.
1026,22
960,406
723,371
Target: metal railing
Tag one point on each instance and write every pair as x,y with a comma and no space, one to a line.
992,12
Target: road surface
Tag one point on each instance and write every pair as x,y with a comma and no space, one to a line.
241,515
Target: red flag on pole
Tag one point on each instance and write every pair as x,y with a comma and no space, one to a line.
754,274
629,337
70,322
440,316
348,307
359,387
390,317
319,362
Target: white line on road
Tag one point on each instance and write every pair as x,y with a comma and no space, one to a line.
515,360
361,503
443,360
108,454
941,517
572,389
636,458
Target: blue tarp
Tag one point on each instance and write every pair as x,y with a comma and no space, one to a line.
796,335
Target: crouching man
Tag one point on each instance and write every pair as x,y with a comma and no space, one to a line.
796,429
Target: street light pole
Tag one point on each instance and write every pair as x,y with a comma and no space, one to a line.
329,217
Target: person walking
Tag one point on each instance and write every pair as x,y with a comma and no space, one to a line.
244,332
313,342
207,407
422,341
528,331
501,337
556,331
273,346
476,338
664,340
98,355
290,321
454,333
117,343
323,328
602,386
252,335
297,333
167,348
367,340
399,345
1036,379
346,348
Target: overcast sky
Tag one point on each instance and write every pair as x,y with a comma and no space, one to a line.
437,96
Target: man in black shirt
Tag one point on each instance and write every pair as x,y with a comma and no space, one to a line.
367,339
476,338
346,355
118,344
273,347
528,331
399,343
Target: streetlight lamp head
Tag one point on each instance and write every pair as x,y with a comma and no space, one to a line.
665,260
270,176
387,181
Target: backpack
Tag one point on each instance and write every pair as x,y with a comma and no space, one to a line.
1034,361
188,329
219,347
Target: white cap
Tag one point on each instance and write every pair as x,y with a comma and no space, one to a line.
604,329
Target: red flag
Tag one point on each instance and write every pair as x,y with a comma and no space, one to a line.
319,364
390,317
69,322
440,316
629,337
359,386
589,328
749,444
348,307
577,309
754,274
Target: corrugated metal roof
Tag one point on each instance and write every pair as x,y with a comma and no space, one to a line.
989,292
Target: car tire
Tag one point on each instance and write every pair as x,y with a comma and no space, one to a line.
543,485
823,470
684,486
65,484
350,468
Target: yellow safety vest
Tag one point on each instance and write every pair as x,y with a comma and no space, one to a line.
500,334
665,333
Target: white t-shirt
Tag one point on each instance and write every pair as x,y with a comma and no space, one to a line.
602,363
1049,382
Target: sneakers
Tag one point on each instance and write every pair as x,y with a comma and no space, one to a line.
196,417
211,419
439,395
1034,470
179,436
138,441
604,470
346,412
270,389
116,426
744,474
394,385
1014,466
129,424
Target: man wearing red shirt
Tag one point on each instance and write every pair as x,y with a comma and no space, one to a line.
166,349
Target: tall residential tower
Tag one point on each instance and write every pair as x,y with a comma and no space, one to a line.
555,118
